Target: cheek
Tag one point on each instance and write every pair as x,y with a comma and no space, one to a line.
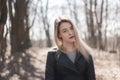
65,37
61,35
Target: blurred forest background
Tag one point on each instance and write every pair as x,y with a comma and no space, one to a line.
26,34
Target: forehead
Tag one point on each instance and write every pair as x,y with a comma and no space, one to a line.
65,25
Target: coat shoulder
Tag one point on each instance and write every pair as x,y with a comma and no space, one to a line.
55,53
52,51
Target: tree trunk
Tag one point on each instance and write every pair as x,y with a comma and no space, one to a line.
19,34
90,24
99,24
100,27
20,41
105,38
44,15
3,45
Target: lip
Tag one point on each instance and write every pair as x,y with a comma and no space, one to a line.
71,37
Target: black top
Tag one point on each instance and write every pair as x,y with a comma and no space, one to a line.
60,67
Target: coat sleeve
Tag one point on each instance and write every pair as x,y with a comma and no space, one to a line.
50,65
91,70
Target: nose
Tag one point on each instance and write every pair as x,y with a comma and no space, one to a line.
70,32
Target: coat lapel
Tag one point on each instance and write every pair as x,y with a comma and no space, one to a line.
65,61
78,55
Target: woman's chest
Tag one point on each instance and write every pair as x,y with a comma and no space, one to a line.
65,66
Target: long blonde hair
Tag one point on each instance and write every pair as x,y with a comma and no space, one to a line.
81,46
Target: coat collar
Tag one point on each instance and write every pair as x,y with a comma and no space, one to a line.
66,62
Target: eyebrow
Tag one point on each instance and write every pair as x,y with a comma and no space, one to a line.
66,28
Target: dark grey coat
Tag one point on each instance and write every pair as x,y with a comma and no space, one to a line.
60,67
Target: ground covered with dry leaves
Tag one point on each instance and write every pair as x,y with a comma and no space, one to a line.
107,65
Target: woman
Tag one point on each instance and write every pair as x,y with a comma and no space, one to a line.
72,60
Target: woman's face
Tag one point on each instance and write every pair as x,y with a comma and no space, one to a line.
67,32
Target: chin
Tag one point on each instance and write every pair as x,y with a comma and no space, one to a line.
72,41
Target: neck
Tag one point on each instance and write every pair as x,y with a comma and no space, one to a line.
68,46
